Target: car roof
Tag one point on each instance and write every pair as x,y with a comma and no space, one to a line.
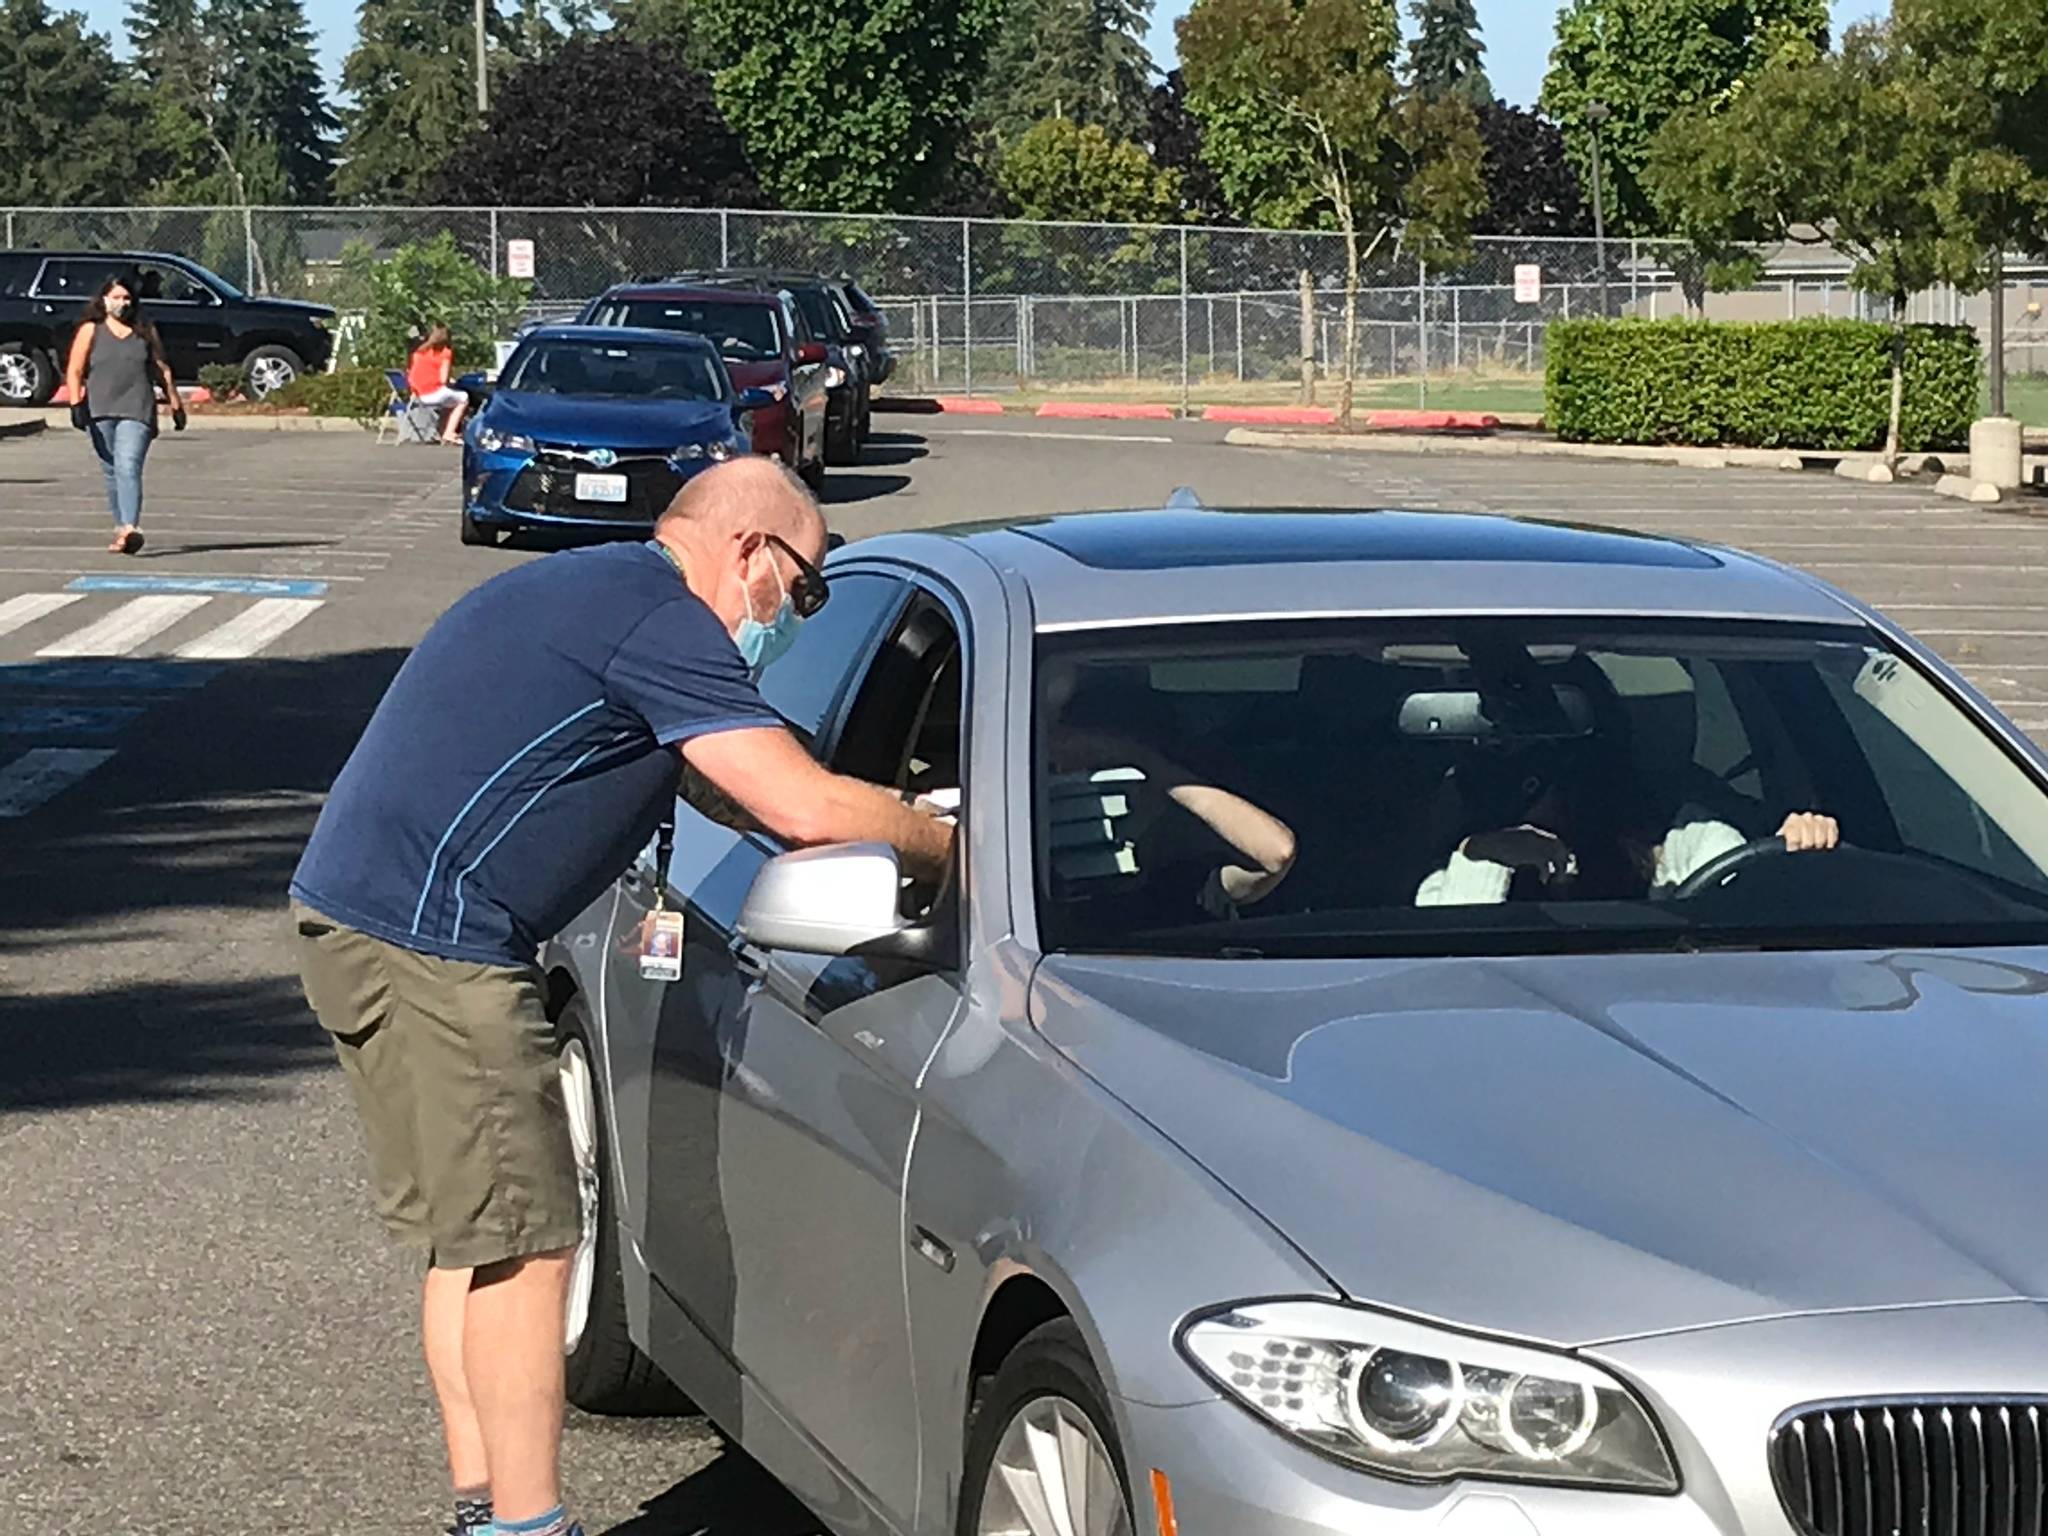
613,334
779,277
709,293
1182,564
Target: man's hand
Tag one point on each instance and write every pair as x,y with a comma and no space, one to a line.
766,774
1809,831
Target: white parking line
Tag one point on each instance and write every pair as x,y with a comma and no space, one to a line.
43,772
128,626
250,630
29,607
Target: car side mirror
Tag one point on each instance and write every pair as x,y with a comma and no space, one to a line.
841,900
471,383
755,399
811,353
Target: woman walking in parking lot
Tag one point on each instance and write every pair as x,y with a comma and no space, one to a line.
116,363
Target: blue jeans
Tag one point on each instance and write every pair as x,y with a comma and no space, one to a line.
122,445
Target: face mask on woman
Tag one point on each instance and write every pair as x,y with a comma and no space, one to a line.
119,308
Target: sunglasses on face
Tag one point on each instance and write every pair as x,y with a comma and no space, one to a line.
808,592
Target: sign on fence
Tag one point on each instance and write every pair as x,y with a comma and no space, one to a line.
519,258
1528,283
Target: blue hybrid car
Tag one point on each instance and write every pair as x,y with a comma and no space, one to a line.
594,429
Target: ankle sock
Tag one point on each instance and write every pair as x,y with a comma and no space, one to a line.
472,1511
554,1523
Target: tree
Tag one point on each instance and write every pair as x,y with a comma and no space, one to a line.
1060,170
1987,61
1648,61
412,73
1847,150
853,105
1078,59
1175,136
1443,60
670,24
1304,121
664,145
239,110
71,128
402,293
1531,188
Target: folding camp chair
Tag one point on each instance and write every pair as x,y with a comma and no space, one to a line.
406,419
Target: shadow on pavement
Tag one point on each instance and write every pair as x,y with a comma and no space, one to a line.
165,551
843,488
133,971
732,1496
886,448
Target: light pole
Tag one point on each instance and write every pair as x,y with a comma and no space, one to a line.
1597,112
483,99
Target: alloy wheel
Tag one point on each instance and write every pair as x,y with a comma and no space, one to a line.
269,373
579,1094
1052,1476
17,377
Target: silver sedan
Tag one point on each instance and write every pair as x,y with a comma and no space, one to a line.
1440,1024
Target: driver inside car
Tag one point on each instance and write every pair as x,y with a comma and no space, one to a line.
1544,846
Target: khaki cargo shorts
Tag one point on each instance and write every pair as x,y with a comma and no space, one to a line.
455,1075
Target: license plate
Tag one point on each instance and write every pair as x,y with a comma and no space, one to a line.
610,488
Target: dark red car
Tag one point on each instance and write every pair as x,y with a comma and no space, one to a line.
766,345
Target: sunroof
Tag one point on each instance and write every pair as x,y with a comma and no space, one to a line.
1152,541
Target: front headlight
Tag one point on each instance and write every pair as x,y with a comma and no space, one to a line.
834,377
855,349
321,322
1426,1404
491,440
691,452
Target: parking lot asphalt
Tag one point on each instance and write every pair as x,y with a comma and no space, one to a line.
203,1328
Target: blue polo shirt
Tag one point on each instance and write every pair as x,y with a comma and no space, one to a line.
524,753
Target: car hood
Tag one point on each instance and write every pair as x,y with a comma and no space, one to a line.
590,421
297,308
752,375
1585,1149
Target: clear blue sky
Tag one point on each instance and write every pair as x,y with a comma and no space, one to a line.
1517,34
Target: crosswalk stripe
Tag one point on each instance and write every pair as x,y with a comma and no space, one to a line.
250,630
30,606
128,626
44,772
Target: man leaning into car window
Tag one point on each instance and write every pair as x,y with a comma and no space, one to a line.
525,751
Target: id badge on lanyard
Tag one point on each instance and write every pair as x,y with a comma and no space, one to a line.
661,942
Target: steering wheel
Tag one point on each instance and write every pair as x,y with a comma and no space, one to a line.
1716,870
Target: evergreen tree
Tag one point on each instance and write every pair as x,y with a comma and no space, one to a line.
413,76
1082,60
273,90
1443,59
72,129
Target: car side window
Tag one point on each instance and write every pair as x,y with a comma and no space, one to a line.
172,285
78,280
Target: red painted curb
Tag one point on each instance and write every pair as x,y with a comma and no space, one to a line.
1272,415
1432,421
1098,410
954,405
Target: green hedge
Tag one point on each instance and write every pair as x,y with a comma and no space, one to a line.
359,393
1788,384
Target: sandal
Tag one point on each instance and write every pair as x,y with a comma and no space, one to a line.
130,541
120,544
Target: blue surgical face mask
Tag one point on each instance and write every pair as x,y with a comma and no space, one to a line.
761,645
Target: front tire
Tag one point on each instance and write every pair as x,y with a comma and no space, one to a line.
27,376
605,1371
1042,1431
269,369
474,532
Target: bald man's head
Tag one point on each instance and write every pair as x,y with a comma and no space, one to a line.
751,495
734,528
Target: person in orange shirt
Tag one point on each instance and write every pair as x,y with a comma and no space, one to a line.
428,372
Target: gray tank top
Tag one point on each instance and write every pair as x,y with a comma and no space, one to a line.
117,377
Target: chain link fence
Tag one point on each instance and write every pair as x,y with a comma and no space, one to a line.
980,305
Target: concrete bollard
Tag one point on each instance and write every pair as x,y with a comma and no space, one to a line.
1995,451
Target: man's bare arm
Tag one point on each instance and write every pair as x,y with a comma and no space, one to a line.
784,788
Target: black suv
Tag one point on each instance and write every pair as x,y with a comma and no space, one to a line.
201,316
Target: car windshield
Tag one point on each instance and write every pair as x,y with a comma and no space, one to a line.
1504,786
747,333
617,370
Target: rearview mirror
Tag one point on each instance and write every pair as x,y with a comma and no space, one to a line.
842,900
1454,714
811,352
